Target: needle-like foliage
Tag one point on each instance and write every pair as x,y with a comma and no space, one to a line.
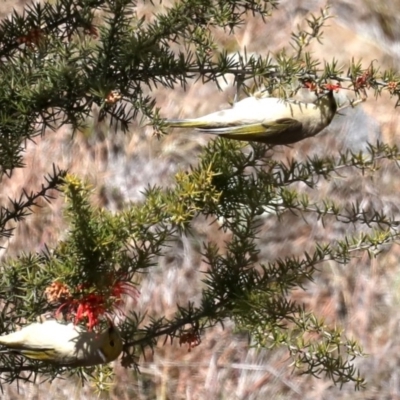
61,60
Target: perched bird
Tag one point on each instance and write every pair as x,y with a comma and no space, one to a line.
64,345
267,120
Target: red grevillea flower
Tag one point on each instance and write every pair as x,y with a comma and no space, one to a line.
192,338
122,288
89,307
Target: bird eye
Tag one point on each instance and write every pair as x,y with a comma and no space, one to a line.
112,343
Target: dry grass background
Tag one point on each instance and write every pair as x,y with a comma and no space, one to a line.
363,297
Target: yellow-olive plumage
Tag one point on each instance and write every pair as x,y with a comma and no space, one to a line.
64,345
267,120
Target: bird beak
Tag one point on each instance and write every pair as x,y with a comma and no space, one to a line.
111,325
102,355
325,93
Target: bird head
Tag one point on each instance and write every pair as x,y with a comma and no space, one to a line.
111,344
327,100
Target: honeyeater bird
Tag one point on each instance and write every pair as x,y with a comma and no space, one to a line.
267,120
64,345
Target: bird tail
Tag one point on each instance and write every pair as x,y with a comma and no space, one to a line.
14,340
186,123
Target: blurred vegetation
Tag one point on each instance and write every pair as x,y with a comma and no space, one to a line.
70,61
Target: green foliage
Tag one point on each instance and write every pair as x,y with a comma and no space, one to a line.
60,62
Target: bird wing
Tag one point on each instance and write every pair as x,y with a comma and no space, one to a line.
281,131
249,111
40,353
